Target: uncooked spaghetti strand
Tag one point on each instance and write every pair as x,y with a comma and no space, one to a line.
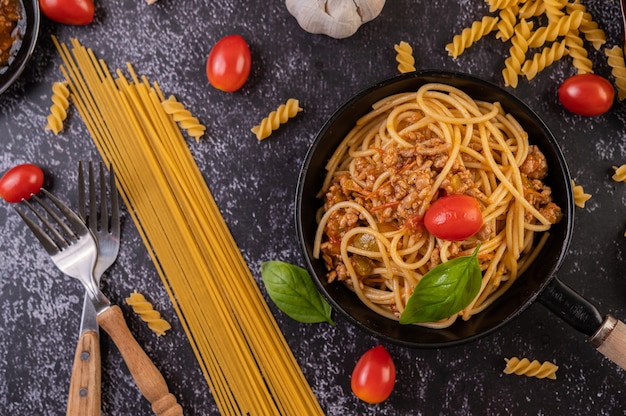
147,244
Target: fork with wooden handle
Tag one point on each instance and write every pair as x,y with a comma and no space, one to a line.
72,248
84,395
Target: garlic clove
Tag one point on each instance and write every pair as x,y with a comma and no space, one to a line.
335,18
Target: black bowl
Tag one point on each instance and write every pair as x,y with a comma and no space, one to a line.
517,298
29,27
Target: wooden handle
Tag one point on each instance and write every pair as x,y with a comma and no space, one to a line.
84,396
148,378
610,340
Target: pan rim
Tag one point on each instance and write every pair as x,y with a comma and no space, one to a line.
443,76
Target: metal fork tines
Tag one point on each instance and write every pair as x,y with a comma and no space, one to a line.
73,249
67,240
85,383
107,230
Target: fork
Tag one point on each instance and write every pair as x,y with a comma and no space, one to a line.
84,392
73,249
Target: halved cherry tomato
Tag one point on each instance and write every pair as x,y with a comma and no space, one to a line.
587,94
228,64
70,12
374,376
20,182
454,217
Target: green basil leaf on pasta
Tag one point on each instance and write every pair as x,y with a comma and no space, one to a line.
444,291
292,290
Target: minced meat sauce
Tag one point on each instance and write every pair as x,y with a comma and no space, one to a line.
412,172
10,15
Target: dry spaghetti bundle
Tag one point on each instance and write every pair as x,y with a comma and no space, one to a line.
239,347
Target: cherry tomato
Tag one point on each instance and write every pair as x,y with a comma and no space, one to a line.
70,12
587,94
454,217
228,64
374,376
20,182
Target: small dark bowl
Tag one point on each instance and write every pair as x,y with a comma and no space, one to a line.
29,27
517,298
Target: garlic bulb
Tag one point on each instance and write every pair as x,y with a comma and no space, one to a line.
336,18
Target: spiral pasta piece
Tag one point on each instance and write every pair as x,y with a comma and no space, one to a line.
554,9
553,30
58,109
620,173
549,55
588,26
532,9
580,197
615,59
147,313
530,368
507,22
471,35
273,121
578,53
183,117
404,57
517,54
501,4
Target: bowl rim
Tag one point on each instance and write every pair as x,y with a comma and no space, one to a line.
29,41
566,223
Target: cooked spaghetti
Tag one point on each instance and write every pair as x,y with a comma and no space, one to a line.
411,149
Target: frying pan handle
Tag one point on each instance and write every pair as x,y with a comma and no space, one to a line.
571,307
610,340
607,335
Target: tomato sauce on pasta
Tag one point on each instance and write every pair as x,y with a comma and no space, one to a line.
410,150
10,15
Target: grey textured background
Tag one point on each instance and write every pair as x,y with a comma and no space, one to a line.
254,185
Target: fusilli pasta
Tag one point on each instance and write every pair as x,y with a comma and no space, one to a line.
507,22
501,4
561,30
58,109
530,368
578,53
615,59
555,29
620,173
147,313
549,55
471,35
404,57
517,53
273,121
588,26
183,116
554,9
532,9
580,197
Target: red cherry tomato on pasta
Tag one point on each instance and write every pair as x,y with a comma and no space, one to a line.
374,376
70,12
228,64
454,217
587,94
20,182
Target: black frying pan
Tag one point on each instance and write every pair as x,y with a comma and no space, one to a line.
539,282
29,29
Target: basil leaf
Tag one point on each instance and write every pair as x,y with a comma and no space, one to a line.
294,293
444,291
